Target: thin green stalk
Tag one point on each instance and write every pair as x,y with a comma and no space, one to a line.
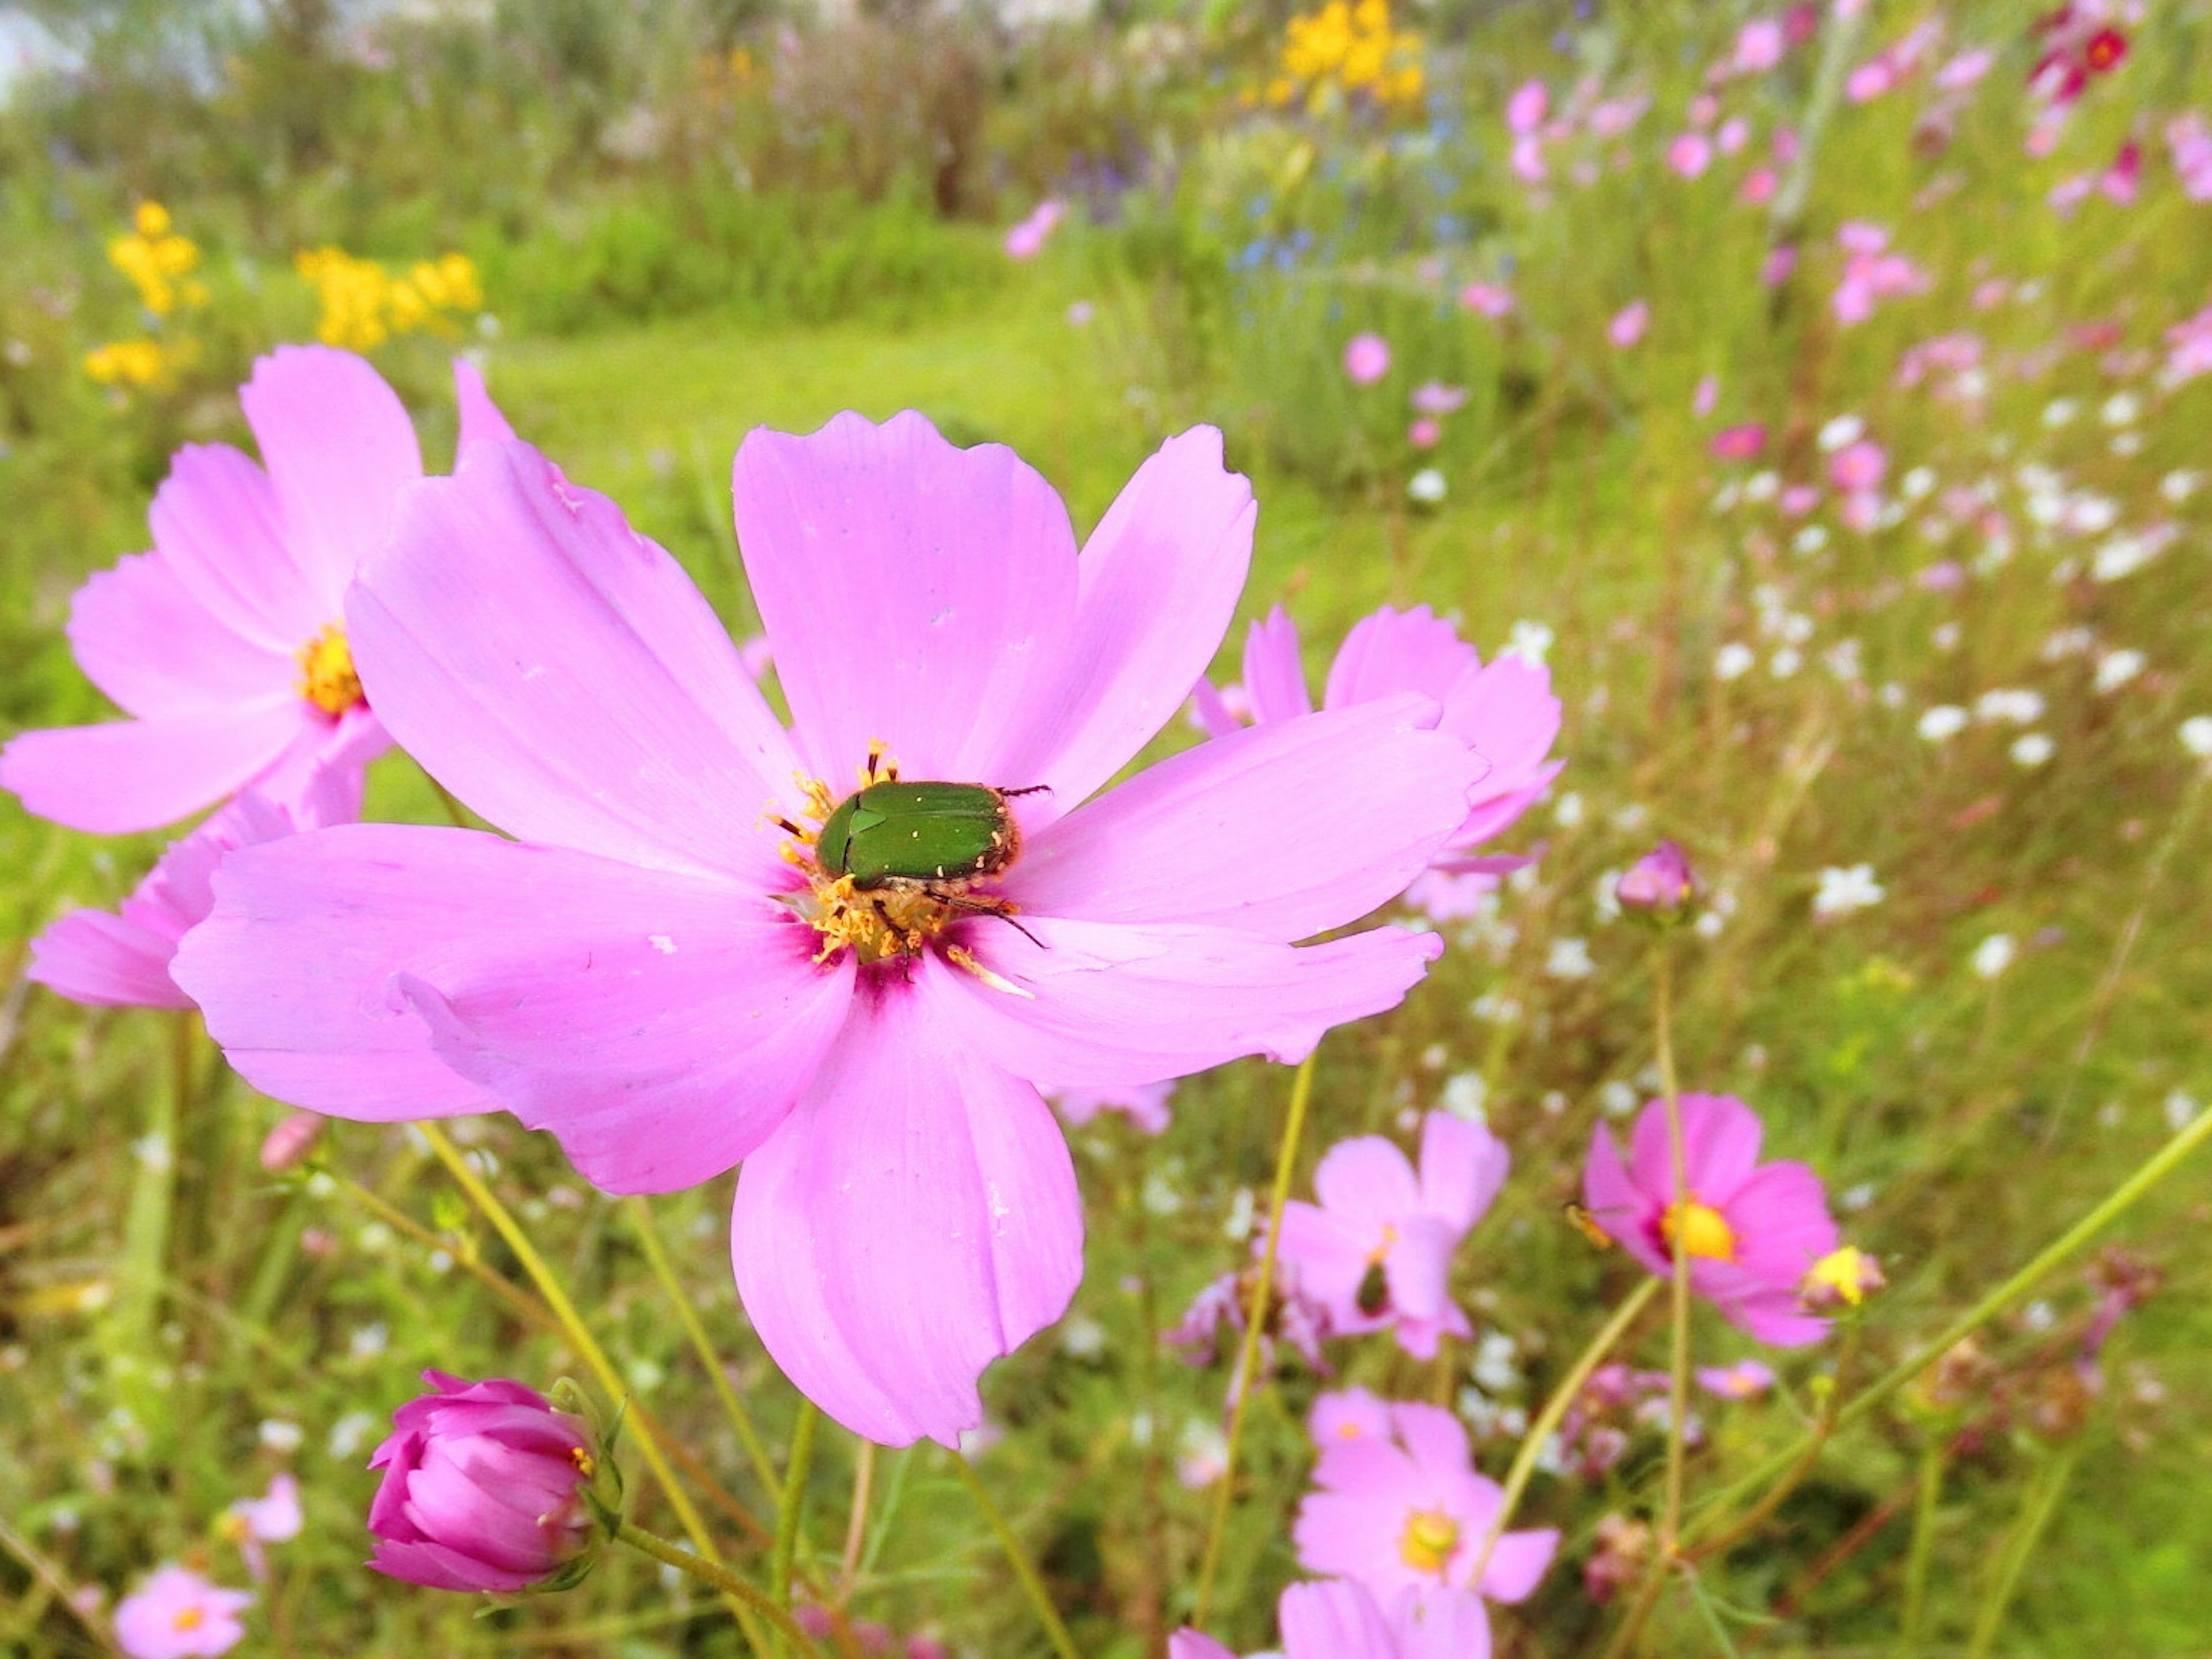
856,1520
153,1197
732,1588
796,1469
656,1257
1823,1426
1678,1399
1255,1317
1547,1420
531,1311
1055,1628
2036,1510
1924,1508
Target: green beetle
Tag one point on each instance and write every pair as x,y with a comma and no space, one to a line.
894,834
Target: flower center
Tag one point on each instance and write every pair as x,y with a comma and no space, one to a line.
1701,1230
188,1618
327,675
1430,1537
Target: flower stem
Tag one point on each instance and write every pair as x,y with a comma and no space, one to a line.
1255,1317
1563,1397
732,1588
1055,1628
586,1347
1927,1502
796,1468
1678,1398
2036,1510
856,1523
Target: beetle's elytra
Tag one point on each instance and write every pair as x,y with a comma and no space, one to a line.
894,833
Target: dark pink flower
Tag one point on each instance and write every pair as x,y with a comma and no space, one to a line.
1739,443
662,973
483,1488
1751,1230
178,1614
226,645
1661,881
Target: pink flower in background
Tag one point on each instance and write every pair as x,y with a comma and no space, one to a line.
1734,133
1503,709
1741,1381
1221,1309
1798,500
1857,468
1525,109
1759,46
1780,262
120,958
226,644
483,1488
272,1518
1435,397
2188,347
1704,110
1027,239
2121,181
1872,79
1871,272
661,970
1690,154
1377,1248
1144,1105
1490,300
1751,1231
1527,157
1408,1511
1366,359
1628,324
1661,881
1758,186
178,1614
1965,69
1706,398
1424,434
1739,443
1338,1620
2189,141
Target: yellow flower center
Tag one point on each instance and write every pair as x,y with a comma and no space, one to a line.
188,1618
1430,1537
327,675
1842,1272
1701,1229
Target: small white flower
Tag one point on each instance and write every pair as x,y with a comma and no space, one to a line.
1427,486
1236,1226
1917,483
1843,891
1994,954
1811,539
1570,958
1854,1198
2092,515
2060,411
2197,736
1466,1096
1082,1337
1617,1099
1529,640
1892,695
2068,643
282,1436
1762,486
1944,636
2121,409
2179,487
1842,430
1942,722
2126,443
2116,668
1726,498
1567,810
2020,707
1785,662
2033,749
1733,660
2181,1110
2123,556
349,1434
2038,1316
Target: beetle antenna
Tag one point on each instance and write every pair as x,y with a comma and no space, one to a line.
1031,789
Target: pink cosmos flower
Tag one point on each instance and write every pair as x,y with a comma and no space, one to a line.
1435,397
2188,347
1628,324
1377,1249
1734,133
1490,300
483,1488
1690,154
1525,109
1366,359
1027,239
1871,272
1527,157
1338,1620
178,1614
1144,1105
225,644
1751,1231
1759,46
1406,1511
1779,264
1214,1321
1858,467
1505,709
662,973
1662,880
1707,396
272,1518
120,958
1741,1381
1739,443
1758,186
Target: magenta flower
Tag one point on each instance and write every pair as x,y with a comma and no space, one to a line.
1759,46
1366,359
1494,299
226,645
1408,1512
483,1488
1376,1250
178,1614
1505,709
1629,323
1027,240
1338,1620
666,974
1435,397
1661,881
1751,1230
1525,109
1690,154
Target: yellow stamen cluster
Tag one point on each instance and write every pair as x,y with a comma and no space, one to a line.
326,672
1843,1277
363,305
1701,1229
1348,48
1428,1542
157,260
188,1618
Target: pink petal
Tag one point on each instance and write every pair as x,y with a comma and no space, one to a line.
482,420
1419,1267
660,1052
216,524
915,1220
1394,651
916,594
1439,1623
1274,672
1285,829
1368,1181
142,637
1337,1620
1780,1218
129,775
1191,1644
1720,1146
1096,1003
1434,1439
1330,1255
1617,1206
561,674
1518,1564
1508,713
340,451
1462,1166
93,957
1158,583
1209,711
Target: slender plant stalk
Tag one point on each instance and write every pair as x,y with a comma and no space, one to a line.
2036,1510
856,1524
523,1305
588,1348
57,1584
1823,1425
732,1588
1055,1628
153,1200
1678,1398
796,1469
656,1257
1563,1397
1255,1317
1930,1496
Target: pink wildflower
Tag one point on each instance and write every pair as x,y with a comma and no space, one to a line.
1751,1231
1224,1306
1144,1105
1377,1249
1409,1512
1739,443
661,970
2188,347
1759,46
1758,186
1027,239
178,1614
1525,109
1661,882
1965,69
1780,262
1435,397
1858,467
1527,157
1490,300
1734,133
1366,359
1628,324
225,644
1338,1620
272,1518
1690,154
1706,398
1424,433
1741,1381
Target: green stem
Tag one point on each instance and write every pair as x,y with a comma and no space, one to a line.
1924,1510
1255,1319
1055,1628
732,1588
796,1469
1678,1399
856,1521
2036,1510
1823,1426
1547,1420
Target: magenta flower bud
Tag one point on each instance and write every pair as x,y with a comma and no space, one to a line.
486,1487
1660,884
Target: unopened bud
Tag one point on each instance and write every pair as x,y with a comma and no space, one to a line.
1659,886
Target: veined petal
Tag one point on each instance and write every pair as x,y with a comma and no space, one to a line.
659,1053
1274,672
1397,651
1719,1146
340,452
1095,1004
107,960
129,775
1284,830
915,1220
1616,1205
916,593
561,674
142,637
216,524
